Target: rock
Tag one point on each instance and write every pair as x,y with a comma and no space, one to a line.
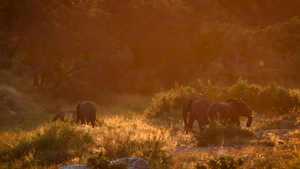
74,167
133,163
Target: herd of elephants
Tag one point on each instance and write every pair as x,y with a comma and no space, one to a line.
196,108
202,109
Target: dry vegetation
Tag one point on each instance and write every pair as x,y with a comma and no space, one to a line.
125,130
138,60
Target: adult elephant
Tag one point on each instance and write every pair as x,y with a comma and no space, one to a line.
86,112
195,109
229,112
61,116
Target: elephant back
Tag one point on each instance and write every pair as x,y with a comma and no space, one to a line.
186,105
200,107
87,109
213,110
241,107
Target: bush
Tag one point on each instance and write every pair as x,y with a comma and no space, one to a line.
268,98
133,137
271,97
53,144
167,103
216,135
150,146
278,99
241,89
101,161
223,162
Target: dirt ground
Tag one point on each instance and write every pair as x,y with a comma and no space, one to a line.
280,134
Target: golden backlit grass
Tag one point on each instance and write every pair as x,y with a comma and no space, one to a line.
136,136
125,131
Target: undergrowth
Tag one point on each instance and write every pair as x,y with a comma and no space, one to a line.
223,162
217,135
101,161
132,137
268,98
51,144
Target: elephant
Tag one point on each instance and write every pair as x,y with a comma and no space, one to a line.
195,108
61,116
229,112
86,112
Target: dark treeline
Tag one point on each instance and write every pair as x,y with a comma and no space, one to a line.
75,46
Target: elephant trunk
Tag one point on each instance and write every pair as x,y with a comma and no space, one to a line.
249,121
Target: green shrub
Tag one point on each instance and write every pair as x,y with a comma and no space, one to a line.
271,97
150,146
241,89
167,103
225,162
52,144
98,161
199,166
278,99
268,98
265,142
276,124
216,135
101,161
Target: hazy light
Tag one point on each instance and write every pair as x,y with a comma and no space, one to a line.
261,63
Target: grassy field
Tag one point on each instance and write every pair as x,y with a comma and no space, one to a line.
29,140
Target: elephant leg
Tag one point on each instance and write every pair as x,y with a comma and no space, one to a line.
238,122
93,123
235,120
190,123
201,126
82,121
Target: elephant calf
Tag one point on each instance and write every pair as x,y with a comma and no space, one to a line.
230,112
61,116
86,112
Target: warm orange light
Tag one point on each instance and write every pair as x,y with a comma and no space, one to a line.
261,63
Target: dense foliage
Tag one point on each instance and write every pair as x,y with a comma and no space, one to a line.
271,97
83,48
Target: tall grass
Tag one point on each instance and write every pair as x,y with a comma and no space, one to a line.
19,110
217,135
48,145
124,131
132,137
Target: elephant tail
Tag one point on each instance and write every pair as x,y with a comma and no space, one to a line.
185,110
